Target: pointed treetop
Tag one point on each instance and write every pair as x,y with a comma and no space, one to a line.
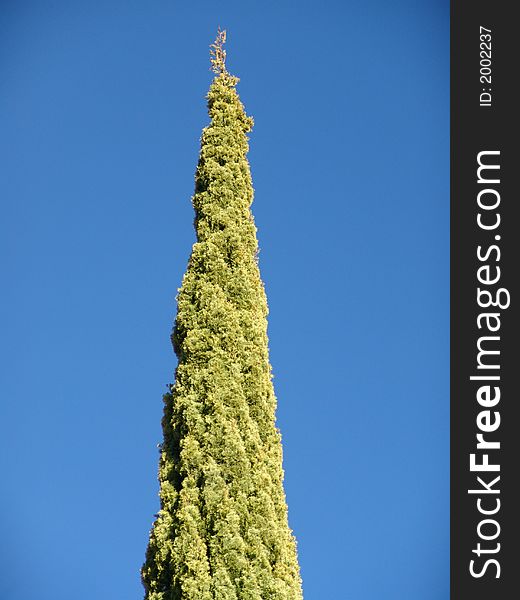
218,54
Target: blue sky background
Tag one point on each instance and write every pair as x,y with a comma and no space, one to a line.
101,109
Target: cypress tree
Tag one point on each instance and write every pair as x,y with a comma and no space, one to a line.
222,531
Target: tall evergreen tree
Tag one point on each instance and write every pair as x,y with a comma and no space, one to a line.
222,531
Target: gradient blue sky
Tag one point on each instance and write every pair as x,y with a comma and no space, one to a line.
101,109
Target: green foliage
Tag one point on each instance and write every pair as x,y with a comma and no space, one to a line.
222,530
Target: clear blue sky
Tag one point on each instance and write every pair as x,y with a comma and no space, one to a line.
101,109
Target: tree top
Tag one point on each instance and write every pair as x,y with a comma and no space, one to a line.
217,53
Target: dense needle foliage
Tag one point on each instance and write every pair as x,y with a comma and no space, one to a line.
222,531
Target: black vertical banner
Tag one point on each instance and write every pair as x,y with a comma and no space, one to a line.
485,269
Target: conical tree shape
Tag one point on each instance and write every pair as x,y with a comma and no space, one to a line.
222,531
